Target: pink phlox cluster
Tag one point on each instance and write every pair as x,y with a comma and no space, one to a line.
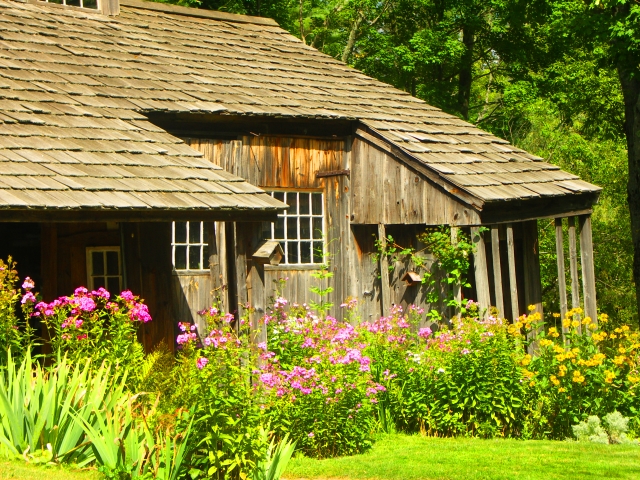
101,293
188,333
350,305
80,292
308,343
425,332
465,351
415,309
400,339
345,334
127,296
280,303
202,362
140,313
221,339
28,297
28,284
82,303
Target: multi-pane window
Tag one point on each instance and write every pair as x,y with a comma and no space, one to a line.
300,230
104,268
75,3
189,246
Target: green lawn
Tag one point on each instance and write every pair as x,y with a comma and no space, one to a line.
402,457
16,470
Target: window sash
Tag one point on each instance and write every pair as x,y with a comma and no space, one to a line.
183,252
109,279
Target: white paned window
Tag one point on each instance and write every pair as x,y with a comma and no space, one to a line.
189,246
300,230
75,3
104,269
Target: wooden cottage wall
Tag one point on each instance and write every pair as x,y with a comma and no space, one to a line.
388,192
279,162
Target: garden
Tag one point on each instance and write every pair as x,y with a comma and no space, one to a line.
319,398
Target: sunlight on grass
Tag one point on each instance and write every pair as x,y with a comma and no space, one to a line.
403,457
16,470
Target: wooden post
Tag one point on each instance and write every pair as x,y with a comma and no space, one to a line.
241,290
497,269
562,280
532,281
457,288
588,272
573,266
218,264
384,273
480,270
513,287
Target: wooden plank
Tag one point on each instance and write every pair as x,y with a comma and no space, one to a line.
497,269
333,173
480,269
457,288
513,284
384,272
588,270
532,280
573,266
562,280
240,279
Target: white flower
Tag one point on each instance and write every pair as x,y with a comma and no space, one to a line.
441,370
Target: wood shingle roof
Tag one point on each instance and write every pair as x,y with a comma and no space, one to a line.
75,87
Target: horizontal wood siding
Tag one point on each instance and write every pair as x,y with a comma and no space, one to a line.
386,191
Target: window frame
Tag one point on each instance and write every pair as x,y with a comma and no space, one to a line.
80,7
204,243
285,265
89,267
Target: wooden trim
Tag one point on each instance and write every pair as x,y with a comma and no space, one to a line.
480,269
573,264
192,12
142,216
497,269
528,217
588,269
384,273
333,173
562,280
513,283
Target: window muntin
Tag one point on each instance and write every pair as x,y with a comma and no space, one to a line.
300,229
189,246
93,4
104,268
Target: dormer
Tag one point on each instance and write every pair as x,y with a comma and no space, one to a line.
106,7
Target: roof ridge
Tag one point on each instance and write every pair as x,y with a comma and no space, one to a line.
200,13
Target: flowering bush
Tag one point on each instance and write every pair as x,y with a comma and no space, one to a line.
95,325
15,332
318,381
462,380
585,374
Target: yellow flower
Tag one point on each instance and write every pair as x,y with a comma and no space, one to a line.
562,370
558,349
526,360
545,342
604,318
613,336
532,383
586,320
562,389
575,323
618,330
625,328
619,359
633,378
593,326
556,315
609,376
560,358
554,380
566,323
622,350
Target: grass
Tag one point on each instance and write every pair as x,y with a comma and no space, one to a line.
17,470
403,457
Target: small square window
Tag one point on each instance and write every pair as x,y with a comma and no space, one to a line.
189,246
104,269
93,4
300,229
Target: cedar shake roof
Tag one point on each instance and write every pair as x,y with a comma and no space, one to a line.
75,87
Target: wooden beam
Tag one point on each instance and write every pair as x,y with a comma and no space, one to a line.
218,264
562,278
532,280
588,270
384,273
457,288
497,269
480,269
573,266
513,285
333,173
240,270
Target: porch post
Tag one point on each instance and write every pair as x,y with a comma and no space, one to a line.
513,285
218,264
562,281
480,270
497,269
384,273
573,265
588,272
532,281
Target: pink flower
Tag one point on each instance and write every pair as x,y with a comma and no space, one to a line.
311,435
80,291
465,351
79,322
202,362
28,284
101,293
28,298
127,296
424,332
82,337
86,304
140,313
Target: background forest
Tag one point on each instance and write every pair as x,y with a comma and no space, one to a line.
542,74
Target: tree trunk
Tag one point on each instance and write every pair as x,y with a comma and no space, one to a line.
631,92
466,70
351,42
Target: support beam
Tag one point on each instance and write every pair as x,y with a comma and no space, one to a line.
218,264
457,288
497,269
241,291
588,270
532,280
513,285
573,266
480,269
562,280
384,273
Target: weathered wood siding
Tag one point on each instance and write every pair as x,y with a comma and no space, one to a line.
388,192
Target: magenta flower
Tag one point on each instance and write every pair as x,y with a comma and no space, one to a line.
127,296
80,291
311,435
424,332
28,284
28,298
202,362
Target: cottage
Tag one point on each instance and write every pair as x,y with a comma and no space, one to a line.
197,156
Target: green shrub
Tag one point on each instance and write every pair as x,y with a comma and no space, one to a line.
15,332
